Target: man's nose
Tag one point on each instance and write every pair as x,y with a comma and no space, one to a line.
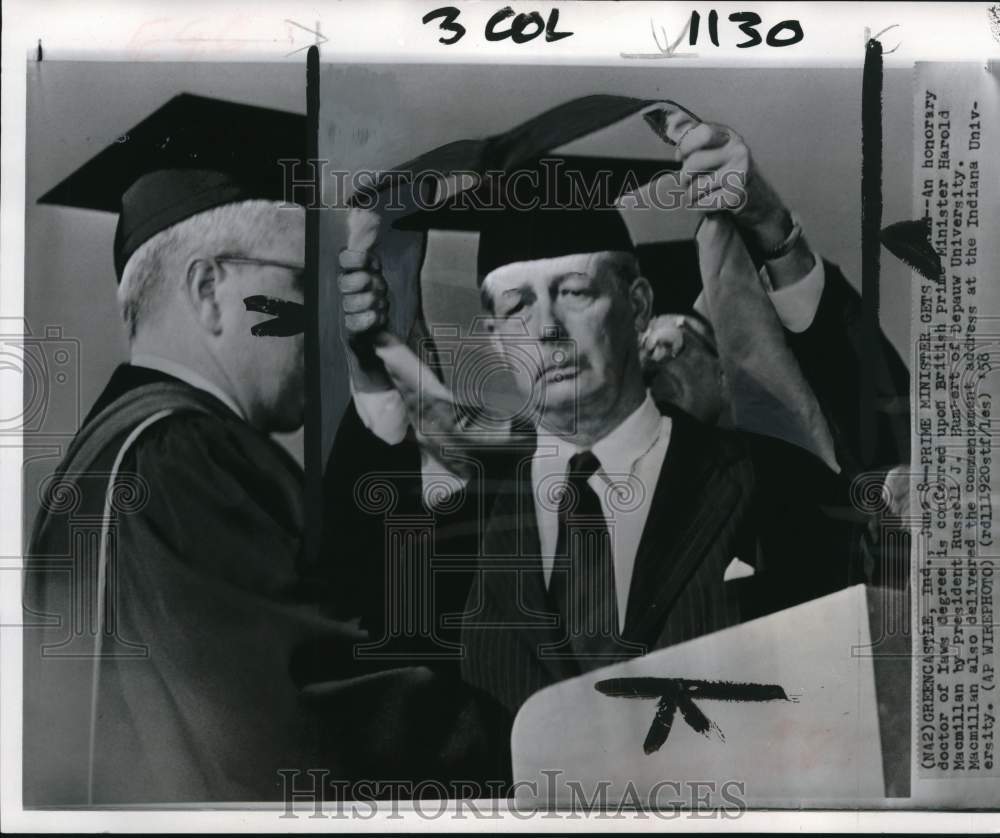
548,324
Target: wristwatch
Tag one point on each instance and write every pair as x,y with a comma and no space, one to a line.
785,247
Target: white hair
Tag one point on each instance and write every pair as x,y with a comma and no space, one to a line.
247,227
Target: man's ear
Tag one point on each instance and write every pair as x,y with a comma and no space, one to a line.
201,293
640,295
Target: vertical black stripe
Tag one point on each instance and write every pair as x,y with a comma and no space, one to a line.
871,223
312,432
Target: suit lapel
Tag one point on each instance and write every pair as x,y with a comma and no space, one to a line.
701,486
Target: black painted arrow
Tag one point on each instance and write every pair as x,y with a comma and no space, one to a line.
679,693
910,242
289,317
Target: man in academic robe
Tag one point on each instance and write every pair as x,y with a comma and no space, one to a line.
177,646
697,502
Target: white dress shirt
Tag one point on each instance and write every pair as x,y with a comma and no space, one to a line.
796,304
187,375
631,457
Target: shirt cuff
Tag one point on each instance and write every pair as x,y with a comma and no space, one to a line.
797,304
383,413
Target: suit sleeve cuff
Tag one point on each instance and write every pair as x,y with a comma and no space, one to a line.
797,304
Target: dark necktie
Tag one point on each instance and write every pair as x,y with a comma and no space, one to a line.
583,573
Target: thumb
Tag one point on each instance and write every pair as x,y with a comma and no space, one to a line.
669,121
362,229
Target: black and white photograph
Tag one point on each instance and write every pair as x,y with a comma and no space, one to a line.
540,416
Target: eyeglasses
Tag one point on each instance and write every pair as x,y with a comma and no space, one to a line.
265,263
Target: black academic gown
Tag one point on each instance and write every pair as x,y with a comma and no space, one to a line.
835,356
219,664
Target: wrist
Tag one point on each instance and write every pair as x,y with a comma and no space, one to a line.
366,370
773,231
788,269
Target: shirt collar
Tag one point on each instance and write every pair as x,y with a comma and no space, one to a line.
187,375
619,450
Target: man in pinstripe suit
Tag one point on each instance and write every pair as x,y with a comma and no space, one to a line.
666,504
659,507
614,530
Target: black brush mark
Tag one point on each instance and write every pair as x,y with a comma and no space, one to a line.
696,720
871,224
659,730
312,428
680,693
289,318
910,242
733,691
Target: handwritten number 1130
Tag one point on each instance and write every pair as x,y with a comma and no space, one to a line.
748,21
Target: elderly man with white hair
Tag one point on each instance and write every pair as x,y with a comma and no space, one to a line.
178,645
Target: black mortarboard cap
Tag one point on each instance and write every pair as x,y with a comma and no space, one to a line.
526,200
191,155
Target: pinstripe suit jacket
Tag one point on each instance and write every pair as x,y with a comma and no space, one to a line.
717,498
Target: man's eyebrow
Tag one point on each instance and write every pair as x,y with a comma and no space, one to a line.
558,278
517,290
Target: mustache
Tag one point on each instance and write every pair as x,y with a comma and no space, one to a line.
570,362
288,318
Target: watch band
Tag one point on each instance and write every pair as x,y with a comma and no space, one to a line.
790,241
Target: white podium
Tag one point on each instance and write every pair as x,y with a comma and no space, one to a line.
784,705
